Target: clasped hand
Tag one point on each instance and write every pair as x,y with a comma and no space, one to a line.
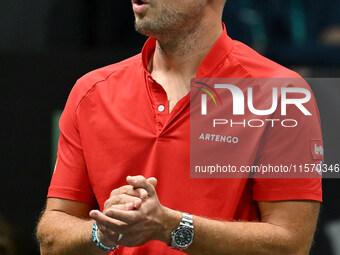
132,210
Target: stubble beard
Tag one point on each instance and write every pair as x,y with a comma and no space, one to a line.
166,23
158,27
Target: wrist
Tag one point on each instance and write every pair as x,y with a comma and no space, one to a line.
96,239
170,221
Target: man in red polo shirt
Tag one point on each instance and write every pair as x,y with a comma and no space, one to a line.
132,119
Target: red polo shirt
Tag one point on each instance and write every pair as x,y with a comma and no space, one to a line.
116,122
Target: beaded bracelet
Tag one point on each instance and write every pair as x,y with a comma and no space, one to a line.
97,241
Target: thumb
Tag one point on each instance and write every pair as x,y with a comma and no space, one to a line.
153,181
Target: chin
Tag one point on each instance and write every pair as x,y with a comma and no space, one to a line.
144,27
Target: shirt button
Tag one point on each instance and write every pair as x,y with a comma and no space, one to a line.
161,108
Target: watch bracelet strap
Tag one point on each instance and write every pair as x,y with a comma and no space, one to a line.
187,221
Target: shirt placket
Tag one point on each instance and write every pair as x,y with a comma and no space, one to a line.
160,104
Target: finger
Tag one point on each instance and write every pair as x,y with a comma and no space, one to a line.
137,204
138,192
129,190
121,199
140,182
153,181
121,190
108,222
130,217
124,207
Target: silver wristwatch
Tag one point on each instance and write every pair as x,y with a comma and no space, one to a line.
183,236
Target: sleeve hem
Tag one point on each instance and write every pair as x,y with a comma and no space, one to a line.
281,195
71,194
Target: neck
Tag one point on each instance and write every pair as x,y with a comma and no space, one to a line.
181,54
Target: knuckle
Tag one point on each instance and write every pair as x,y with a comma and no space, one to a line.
125,198
107,204
129,199
130,191
113,200
119,190
126,189
139,191
116,200
113,192
143,192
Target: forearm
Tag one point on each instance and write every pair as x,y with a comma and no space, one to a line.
229,238
61,234
217,237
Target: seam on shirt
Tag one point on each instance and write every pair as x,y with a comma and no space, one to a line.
244,68
225,57
100,81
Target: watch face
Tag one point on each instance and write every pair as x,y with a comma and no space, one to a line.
183,237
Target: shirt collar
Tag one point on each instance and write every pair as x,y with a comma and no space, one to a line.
220,50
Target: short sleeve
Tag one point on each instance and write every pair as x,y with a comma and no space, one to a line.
70,179
292,147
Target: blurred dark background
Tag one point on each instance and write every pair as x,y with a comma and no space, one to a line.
45,45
